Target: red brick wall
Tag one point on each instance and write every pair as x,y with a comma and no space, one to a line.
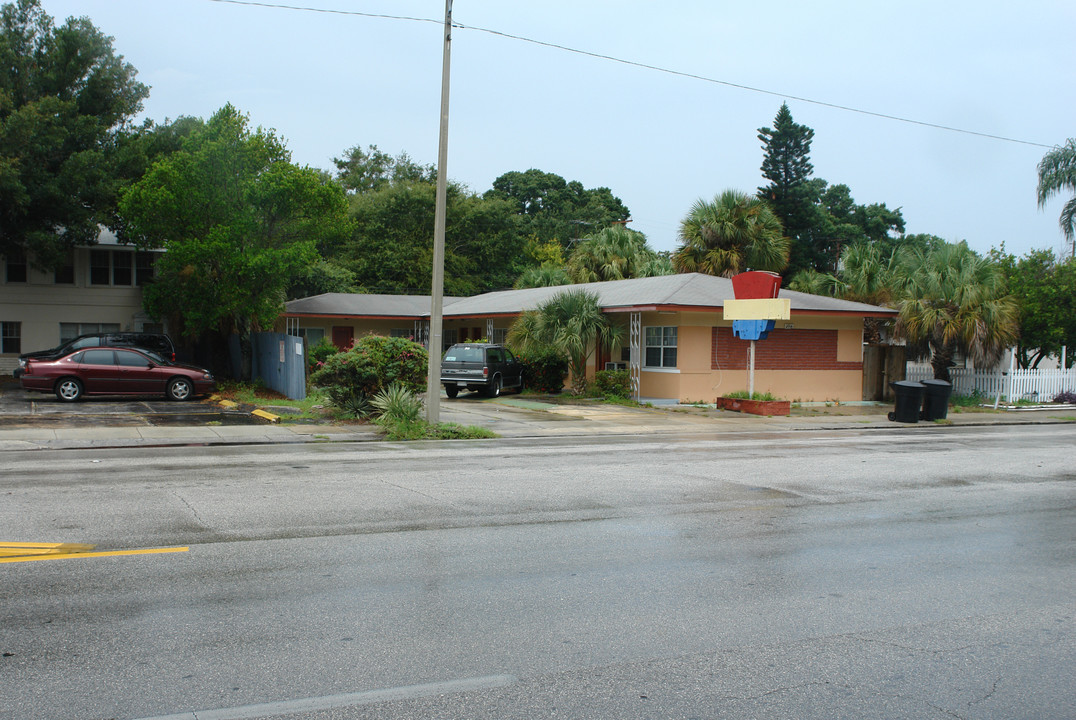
781,350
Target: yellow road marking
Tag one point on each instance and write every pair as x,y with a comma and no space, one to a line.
27,552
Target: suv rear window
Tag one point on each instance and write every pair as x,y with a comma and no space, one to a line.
464,354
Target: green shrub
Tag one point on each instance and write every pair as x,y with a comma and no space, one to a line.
612,384
372,364
318,354
744,395
544,370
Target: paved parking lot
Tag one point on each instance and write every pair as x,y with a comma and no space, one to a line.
19,408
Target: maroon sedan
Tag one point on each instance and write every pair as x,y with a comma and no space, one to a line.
115,371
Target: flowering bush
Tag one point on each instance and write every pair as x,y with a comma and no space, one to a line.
318,354
373,363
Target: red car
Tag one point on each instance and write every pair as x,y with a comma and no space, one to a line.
115,371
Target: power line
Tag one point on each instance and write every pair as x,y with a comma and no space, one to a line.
645,66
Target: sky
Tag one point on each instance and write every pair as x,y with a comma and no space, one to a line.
659,137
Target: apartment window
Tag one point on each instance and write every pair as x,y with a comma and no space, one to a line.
660,350
401,333
11,337
70,331
312,336
111,267
449,337
15,268
144,267
65,273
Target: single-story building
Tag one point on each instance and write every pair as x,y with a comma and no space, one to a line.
677,344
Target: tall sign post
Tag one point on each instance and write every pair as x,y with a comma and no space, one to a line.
433,372
755,311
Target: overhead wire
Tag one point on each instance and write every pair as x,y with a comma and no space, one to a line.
646,66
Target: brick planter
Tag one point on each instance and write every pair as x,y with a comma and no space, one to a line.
755,407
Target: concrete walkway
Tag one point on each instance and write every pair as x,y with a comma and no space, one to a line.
509,417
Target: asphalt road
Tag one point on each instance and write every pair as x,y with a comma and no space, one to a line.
838,574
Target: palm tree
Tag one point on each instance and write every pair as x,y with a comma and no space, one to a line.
733,233
951,299
544,276
613,253
866,272
572,322
1057,172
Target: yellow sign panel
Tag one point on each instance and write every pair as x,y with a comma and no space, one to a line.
771,309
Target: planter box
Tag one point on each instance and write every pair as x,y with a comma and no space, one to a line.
755,407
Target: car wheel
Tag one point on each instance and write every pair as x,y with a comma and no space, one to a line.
452,390
520,390
180,389
494,387
69,389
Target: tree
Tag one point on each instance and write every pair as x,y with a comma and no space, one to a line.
65,97
1045,287
613,253
952,300
391,246
571,322
369,170
867,273
549,207
786,164
544,276
238,220
1057,173
733,233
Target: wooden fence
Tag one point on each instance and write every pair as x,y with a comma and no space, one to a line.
1040,385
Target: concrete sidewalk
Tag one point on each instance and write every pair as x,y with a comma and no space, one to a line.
508,417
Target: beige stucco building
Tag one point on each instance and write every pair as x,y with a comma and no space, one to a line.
98,290
677,343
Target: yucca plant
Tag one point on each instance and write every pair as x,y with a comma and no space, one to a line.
397,404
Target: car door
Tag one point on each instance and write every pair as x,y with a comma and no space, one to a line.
137,375
513,369
98,371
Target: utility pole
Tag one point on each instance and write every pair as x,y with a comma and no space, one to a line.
433,376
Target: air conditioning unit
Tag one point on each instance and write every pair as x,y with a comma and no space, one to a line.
616,366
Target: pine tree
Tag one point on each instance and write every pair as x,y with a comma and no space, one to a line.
791,193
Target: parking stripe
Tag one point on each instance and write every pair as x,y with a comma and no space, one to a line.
29,552
326,702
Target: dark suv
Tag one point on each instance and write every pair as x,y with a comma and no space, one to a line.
158,343
480,366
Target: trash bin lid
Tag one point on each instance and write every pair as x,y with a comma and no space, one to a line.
936,383
910,384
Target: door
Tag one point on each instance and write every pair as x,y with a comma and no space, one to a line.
343,337
99,372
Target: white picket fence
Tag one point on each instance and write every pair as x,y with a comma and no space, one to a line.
1041,385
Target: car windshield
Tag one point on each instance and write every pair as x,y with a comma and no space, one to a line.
154,357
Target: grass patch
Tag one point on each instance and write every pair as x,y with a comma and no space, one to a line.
422,430
313,407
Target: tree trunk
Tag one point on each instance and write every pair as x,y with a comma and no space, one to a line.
940,360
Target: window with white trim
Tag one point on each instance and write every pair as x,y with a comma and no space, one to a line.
659,350
121,267
15,268
10,337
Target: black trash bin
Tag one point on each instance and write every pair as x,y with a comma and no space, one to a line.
909,401
935,399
